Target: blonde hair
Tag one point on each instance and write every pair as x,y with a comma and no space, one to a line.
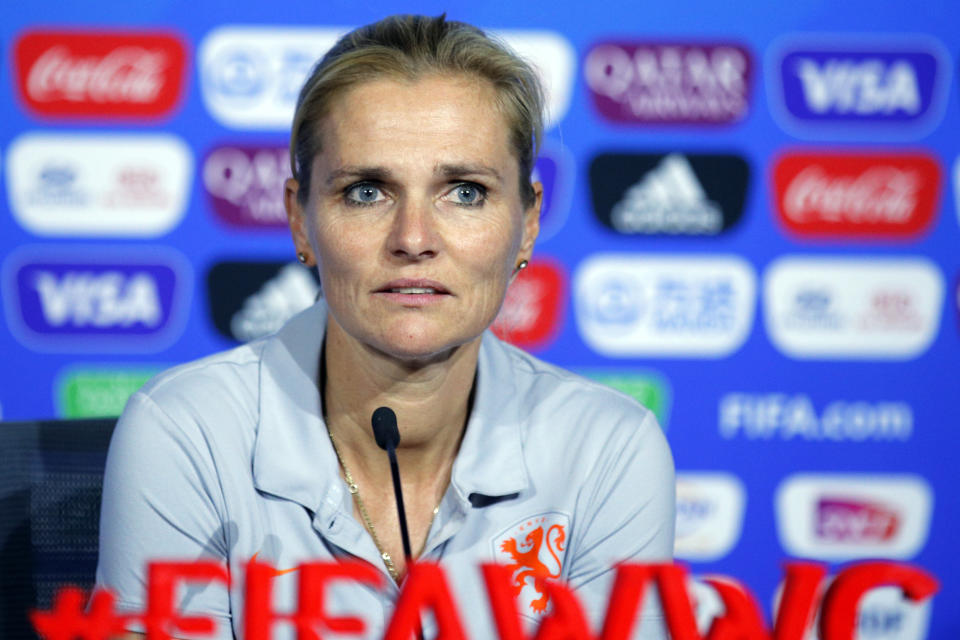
410,47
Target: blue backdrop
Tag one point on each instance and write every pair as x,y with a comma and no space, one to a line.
751,225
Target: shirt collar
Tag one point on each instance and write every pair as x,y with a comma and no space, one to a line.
490,461
293,458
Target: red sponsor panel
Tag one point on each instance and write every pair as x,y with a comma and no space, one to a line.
100,73
531,312
847,195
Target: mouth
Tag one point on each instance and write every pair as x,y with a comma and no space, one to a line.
418,288
413,290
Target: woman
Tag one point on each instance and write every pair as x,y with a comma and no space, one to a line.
412,148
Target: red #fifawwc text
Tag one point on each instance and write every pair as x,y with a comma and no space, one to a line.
426,589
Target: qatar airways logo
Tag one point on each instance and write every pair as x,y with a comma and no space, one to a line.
100,73
245,185
95,300
847,516
856,195
894,84
682,83
250,76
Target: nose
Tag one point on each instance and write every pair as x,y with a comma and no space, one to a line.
413,232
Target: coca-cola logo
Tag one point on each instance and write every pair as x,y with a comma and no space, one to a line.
92,74
856,195
531,312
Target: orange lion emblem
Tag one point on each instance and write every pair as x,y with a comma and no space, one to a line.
527,562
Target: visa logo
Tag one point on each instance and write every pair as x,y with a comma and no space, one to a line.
867,87
95,300
895,87
109,299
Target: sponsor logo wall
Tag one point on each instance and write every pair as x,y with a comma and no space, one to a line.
100,74
79,184
649,83
845,516
847,84
751,230
848,308
673,193
710,512
242,183
682,305
88,300
249,300
853,196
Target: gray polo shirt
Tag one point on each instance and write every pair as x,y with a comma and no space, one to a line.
227,457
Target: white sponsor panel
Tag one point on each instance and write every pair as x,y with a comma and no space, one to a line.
884,613
250,76
850,516
710,508
696,306
789,416
98,184
852,308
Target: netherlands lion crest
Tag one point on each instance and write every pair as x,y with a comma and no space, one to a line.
533,549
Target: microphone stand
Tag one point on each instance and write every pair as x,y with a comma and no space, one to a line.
387,435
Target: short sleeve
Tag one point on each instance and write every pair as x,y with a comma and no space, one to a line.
161,501
627,511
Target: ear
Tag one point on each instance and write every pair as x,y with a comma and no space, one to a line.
296,218
531,224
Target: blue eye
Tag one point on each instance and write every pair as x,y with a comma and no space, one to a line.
468,194
364,193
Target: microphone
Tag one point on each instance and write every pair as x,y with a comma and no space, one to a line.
387,435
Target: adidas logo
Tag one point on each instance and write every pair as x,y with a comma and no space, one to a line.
292,290
668,199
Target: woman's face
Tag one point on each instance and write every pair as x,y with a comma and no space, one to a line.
414,213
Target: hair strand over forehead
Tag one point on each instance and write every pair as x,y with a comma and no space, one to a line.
410,47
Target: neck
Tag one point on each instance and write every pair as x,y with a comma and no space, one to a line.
430,398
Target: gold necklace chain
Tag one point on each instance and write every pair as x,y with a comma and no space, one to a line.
368,523
355,491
